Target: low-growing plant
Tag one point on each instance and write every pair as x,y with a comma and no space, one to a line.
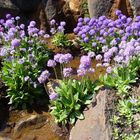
59,38
23,58
125,70
73,97
120,78
125,124
70,98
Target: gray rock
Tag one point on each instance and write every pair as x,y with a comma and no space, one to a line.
99,7
7,4
26,5
135,4
96,124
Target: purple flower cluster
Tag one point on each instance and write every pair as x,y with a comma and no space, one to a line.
63,58
3,51
16,42
53,96
85,66
51,63
44,76
67,72
55,28
99,32
127,50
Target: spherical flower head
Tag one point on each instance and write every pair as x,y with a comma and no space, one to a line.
128,29
52,31
137,49
1,21
86,39
118,58
81,72
83,36
109,70
75,30
80,24
129,20
51,63
11,35
101,18
124,38
123,18
114,50
121,32
22,26
67,72
46,36
41,32
99,57
21,61
80,19
8,16
129,51
92,32
57,57
26,78
91,54
53,96
137,19
91,70
16,42
94,44
12,52
91,22
118,12
103,41
17,18
108,55
44,76
86,19
85,62
68,57
113,42
104,49
60,29
9,23
32,24
62,59
3,51
63,23
105,34
52,22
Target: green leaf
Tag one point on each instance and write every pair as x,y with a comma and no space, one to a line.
87,102
72,118
79,115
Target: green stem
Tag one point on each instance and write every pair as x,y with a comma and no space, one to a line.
46,89
55,73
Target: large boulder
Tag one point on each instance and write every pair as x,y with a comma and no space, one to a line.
42,11
102,7
135,4
96,125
